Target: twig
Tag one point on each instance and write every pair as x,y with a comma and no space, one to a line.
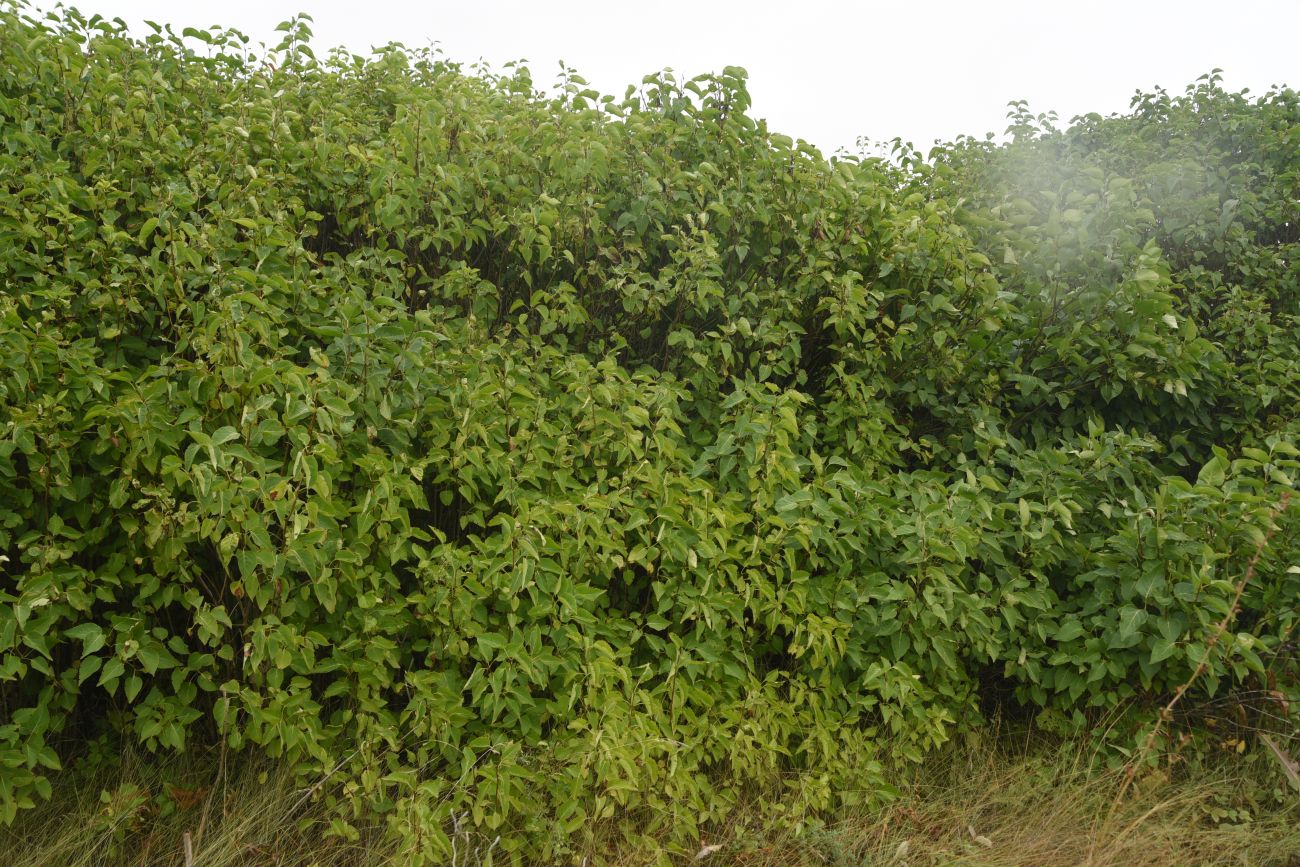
1290,768
315,788
1166,713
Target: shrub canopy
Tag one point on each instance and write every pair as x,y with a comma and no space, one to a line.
534,457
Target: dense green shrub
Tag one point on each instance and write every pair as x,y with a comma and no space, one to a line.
517,457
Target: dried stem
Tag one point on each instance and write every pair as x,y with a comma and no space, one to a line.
1166,713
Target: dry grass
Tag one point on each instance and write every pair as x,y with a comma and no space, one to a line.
1039,804
977,804
140,814
982,808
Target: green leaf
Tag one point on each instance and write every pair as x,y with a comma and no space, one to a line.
90,634
1213,473
147,230
88,667
110,673
224,435
1070,630
1162,649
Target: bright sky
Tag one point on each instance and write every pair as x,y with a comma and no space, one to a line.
824,71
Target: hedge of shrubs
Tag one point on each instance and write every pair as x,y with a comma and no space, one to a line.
532,457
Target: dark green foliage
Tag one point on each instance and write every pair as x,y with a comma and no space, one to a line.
520,457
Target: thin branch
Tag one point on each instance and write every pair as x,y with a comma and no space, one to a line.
1167,711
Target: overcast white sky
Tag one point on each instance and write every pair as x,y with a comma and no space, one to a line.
827,72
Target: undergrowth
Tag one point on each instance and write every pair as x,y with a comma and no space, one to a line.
1027,799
